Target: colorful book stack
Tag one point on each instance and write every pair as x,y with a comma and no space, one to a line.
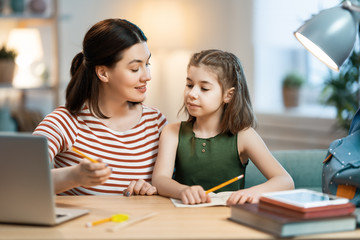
286,220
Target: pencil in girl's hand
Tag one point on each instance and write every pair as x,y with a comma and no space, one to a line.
225,183
85,156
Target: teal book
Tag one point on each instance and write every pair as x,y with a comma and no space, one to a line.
284,225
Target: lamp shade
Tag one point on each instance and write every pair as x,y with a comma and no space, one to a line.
330,36
27,42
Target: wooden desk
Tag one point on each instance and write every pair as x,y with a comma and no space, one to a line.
170,223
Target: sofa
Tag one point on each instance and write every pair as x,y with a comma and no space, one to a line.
304,166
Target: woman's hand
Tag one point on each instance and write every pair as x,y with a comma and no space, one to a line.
194,195
89,174
140,187
243,196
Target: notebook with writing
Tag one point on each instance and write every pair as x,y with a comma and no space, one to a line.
26,188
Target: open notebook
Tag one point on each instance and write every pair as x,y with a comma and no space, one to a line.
26,188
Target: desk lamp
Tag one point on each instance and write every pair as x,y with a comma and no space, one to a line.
330,35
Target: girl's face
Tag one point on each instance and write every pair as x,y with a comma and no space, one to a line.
203,95
128,78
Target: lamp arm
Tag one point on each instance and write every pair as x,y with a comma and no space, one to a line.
350,6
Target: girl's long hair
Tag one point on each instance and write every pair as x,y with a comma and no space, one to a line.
238,113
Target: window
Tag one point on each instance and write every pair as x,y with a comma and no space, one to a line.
277,53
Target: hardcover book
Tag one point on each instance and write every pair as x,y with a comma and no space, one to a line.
283,225
320,212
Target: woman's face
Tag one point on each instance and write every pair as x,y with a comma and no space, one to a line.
127,80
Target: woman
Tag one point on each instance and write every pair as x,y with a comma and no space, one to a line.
104,117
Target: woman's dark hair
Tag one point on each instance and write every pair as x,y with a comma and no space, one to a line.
238,113
103,45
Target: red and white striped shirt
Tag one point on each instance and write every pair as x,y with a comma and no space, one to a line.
131,154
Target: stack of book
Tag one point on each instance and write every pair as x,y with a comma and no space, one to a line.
285,219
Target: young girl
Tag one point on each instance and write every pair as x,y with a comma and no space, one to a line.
104,117
218,138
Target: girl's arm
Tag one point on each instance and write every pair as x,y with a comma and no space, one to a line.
250,145
164,168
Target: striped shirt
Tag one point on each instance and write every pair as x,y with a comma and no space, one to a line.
131,154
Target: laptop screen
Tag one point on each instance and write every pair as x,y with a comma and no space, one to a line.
27,194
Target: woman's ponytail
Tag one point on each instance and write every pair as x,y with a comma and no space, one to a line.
77,89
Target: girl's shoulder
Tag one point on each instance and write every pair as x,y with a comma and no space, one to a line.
172,128
170,133
248,138
247,133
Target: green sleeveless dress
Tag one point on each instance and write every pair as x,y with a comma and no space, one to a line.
207,162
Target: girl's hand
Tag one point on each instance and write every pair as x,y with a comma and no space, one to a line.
243,196
140,187
194,195
89,174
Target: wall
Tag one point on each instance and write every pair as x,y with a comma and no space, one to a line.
297,132
174,28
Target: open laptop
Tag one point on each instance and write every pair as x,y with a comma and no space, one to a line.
26,187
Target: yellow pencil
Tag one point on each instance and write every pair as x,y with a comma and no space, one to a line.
91,224
224,184
113,218
85,156
132,221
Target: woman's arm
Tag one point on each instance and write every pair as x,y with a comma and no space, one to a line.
141,187
164,169
250,145
84,174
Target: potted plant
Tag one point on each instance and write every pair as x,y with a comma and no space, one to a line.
7,64
291,86
341,90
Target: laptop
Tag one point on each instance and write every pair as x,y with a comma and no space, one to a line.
26,187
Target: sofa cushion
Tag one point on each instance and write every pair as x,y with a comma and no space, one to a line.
304,166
